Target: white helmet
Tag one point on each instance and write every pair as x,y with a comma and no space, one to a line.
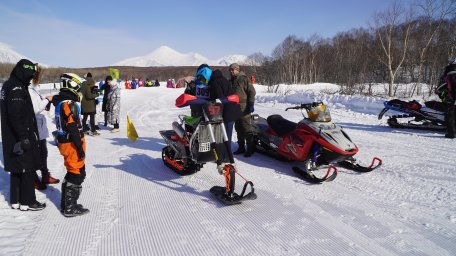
71,82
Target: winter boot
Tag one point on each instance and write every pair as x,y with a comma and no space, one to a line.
250,146
86,128
40,185
48,179
70,206
240,150
62,199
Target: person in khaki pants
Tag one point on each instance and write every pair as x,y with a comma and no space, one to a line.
244,89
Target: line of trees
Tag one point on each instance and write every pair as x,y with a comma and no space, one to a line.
399,46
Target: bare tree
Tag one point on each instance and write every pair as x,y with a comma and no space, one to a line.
393,39
434,13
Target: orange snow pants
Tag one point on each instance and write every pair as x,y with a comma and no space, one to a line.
70,156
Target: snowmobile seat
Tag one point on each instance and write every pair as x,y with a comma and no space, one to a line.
281,125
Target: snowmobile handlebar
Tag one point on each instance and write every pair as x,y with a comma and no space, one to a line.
306,106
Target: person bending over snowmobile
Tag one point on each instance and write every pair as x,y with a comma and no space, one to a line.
71,143
447,93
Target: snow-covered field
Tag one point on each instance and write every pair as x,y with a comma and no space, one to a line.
140,207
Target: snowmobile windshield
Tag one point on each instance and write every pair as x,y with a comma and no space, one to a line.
319,113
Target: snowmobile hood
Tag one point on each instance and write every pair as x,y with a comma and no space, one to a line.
332,133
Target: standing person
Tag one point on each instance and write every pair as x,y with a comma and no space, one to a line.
40,104
244,89
220,88
21,149
71,143
113,105
88,105
447,92
106,89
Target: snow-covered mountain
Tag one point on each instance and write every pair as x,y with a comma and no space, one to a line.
236,58
8,55
166,56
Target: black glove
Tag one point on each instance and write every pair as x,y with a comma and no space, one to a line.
250,108
21,146
81,154
48,106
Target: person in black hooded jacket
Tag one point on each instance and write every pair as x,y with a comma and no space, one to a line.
21,150
220,88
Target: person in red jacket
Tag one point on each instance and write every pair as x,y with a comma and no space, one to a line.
71,143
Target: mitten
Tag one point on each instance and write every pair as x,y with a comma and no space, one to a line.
81,154
250,108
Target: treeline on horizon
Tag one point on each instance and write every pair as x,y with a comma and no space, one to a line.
401,45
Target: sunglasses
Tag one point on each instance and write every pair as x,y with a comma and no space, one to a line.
31,67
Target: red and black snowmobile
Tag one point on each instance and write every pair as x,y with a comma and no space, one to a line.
203,139
315,141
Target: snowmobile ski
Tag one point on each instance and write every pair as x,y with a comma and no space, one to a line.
309,176
352,165
220,193
393,122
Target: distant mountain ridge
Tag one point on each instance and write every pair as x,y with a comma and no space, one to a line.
166,56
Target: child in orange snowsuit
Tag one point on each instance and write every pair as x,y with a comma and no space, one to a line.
71,143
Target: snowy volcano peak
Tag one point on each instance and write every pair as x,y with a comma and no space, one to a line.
165,56
235,58
8,55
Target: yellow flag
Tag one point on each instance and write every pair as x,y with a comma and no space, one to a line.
114,73
131,131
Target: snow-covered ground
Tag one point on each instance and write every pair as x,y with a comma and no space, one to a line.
140,207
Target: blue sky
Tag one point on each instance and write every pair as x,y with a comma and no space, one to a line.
99,33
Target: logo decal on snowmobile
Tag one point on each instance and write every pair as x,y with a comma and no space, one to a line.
214,110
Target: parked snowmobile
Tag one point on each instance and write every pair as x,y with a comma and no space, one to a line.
195,141
415,116
315,140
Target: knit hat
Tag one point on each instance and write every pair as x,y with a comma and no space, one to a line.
88,75
234,66
108,78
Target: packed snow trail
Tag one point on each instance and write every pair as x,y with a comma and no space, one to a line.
140,207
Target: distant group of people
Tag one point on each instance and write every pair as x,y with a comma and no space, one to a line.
24,133
136,83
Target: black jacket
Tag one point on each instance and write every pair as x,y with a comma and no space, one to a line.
18,120
74,129
220,88
106,89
